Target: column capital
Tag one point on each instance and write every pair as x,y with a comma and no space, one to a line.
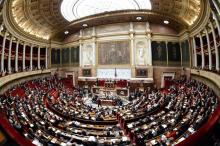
131,28
202,50
93,31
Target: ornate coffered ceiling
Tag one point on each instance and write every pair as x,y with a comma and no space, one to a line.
43,18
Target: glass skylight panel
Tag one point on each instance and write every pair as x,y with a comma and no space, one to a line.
76,9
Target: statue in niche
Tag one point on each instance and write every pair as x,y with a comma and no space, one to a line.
147,27
174,53
87,55
112,53
159,52
140,54
55,56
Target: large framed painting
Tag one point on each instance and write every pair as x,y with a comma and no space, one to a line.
114,53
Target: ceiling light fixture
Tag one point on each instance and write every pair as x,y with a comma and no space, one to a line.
138,18
85,25
166,22
66,32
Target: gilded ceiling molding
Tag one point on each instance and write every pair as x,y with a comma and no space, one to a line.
203,19
145,13
56,44
184,36
42,19
15,31
166,38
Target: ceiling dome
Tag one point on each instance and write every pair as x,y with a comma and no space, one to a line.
75,9
48,19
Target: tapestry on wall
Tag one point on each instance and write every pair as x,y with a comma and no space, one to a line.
75,56
55,56
174,55
65,56
185,53
159,53
114,53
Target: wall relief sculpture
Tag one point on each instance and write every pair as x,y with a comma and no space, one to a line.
87,55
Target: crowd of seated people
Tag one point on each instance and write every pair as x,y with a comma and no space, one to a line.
190,105
48,113
30,115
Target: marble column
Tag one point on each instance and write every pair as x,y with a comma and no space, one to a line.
3,52
181,54
80,48
195,52
216,48
1,27
167,53
94,46
46,58
38,58
133,50
23,61
9,55
209,49
217,22
16,56
31,58
80,53
202,51
216,6
148,32
150,51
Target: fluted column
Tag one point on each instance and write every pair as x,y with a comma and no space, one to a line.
167,53
23,61
80,49
195,52
16,56
209,49
3,51
202,51
80,53
216,6
216,48
94,46
148,34
1,27
31,58
131,31
217,22
46,58
38,58
9,55
150,52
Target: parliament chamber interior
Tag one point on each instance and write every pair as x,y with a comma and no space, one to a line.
109,72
